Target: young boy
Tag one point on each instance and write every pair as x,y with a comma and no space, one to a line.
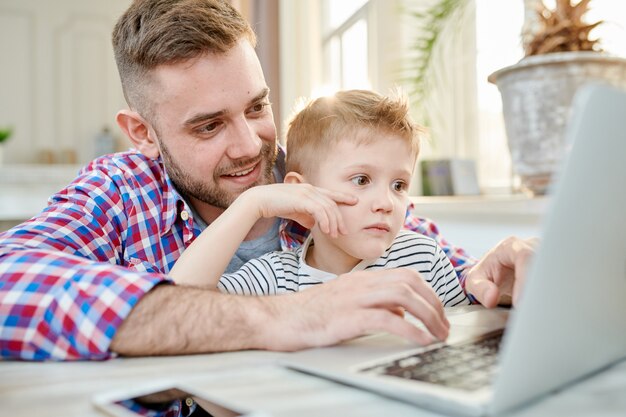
358,150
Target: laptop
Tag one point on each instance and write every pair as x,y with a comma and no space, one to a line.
570,321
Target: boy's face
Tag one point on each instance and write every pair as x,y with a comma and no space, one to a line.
378,173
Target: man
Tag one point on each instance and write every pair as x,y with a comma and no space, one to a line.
87,278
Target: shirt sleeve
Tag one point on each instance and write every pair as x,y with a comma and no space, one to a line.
445,281
63,294
258,276
461,261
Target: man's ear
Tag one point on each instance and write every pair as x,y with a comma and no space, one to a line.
293,177
138,131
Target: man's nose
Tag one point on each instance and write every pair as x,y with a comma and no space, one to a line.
244,140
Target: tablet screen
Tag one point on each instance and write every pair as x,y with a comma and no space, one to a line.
172,402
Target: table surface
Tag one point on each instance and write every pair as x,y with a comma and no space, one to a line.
253,380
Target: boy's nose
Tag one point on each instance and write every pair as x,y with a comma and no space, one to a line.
244,142
382,201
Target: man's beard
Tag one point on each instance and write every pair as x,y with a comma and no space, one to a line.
211,193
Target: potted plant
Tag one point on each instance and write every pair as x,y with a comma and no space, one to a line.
5,134
537,92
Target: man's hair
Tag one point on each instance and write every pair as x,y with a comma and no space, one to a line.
346,115
155,32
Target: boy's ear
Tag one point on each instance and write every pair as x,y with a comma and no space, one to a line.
138,131
294,178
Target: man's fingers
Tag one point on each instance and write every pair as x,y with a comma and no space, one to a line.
421,287
500,274
521,267
485,291
393,294
388,321
360,302
402,287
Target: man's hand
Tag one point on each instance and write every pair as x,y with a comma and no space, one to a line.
353,305
498,278
304,203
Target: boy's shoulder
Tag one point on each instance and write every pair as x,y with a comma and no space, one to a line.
409,236
280,259
413,243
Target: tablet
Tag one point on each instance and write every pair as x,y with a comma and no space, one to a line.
167,399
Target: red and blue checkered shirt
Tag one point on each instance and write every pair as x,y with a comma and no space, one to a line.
71,275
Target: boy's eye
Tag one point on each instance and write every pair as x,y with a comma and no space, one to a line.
360,180
399,186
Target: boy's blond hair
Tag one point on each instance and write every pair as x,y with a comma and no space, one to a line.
326,121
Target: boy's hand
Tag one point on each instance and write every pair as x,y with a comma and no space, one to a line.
304,203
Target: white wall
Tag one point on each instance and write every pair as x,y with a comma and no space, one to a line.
58,81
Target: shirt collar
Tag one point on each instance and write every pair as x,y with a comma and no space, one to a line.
174,208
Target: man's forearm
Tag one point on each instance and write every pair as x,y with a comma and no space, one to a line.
172,320
175,320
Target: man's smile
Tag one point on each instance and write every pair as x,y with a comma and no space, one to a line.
244,176
241,173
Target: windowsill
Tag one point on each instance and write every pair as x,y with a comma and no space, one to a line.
30,174
514,206
26,188
477,223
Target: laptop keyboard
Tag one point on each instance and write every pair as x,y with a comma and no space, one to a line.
468,365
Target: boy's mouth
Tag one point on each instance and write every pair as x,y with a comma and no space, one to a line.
378,228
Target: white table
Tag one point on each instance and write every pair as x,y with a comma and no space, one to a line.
252,379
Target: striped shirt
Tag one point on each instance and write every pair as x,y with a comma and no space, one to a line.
286,271
71,275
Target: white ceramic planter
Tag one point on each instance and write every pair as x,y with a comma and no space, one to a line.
537,93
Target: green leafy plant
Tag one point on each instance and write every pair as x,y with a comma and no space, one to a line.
431,24
560,29
5,133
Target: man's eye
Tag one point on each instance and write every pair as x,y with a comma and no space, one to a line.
257,108
360,180
210,128
399,186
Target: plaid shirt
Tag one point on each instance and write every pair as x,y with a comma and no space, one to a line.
71,275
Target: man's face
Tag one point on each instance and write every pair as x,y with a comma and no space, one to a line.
378,173
214,125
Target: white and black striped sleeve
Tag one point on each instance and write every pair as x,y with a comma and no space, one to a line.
444,281
256,277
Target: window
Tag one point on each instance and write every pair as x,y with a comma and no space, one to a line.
498,44
345,44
